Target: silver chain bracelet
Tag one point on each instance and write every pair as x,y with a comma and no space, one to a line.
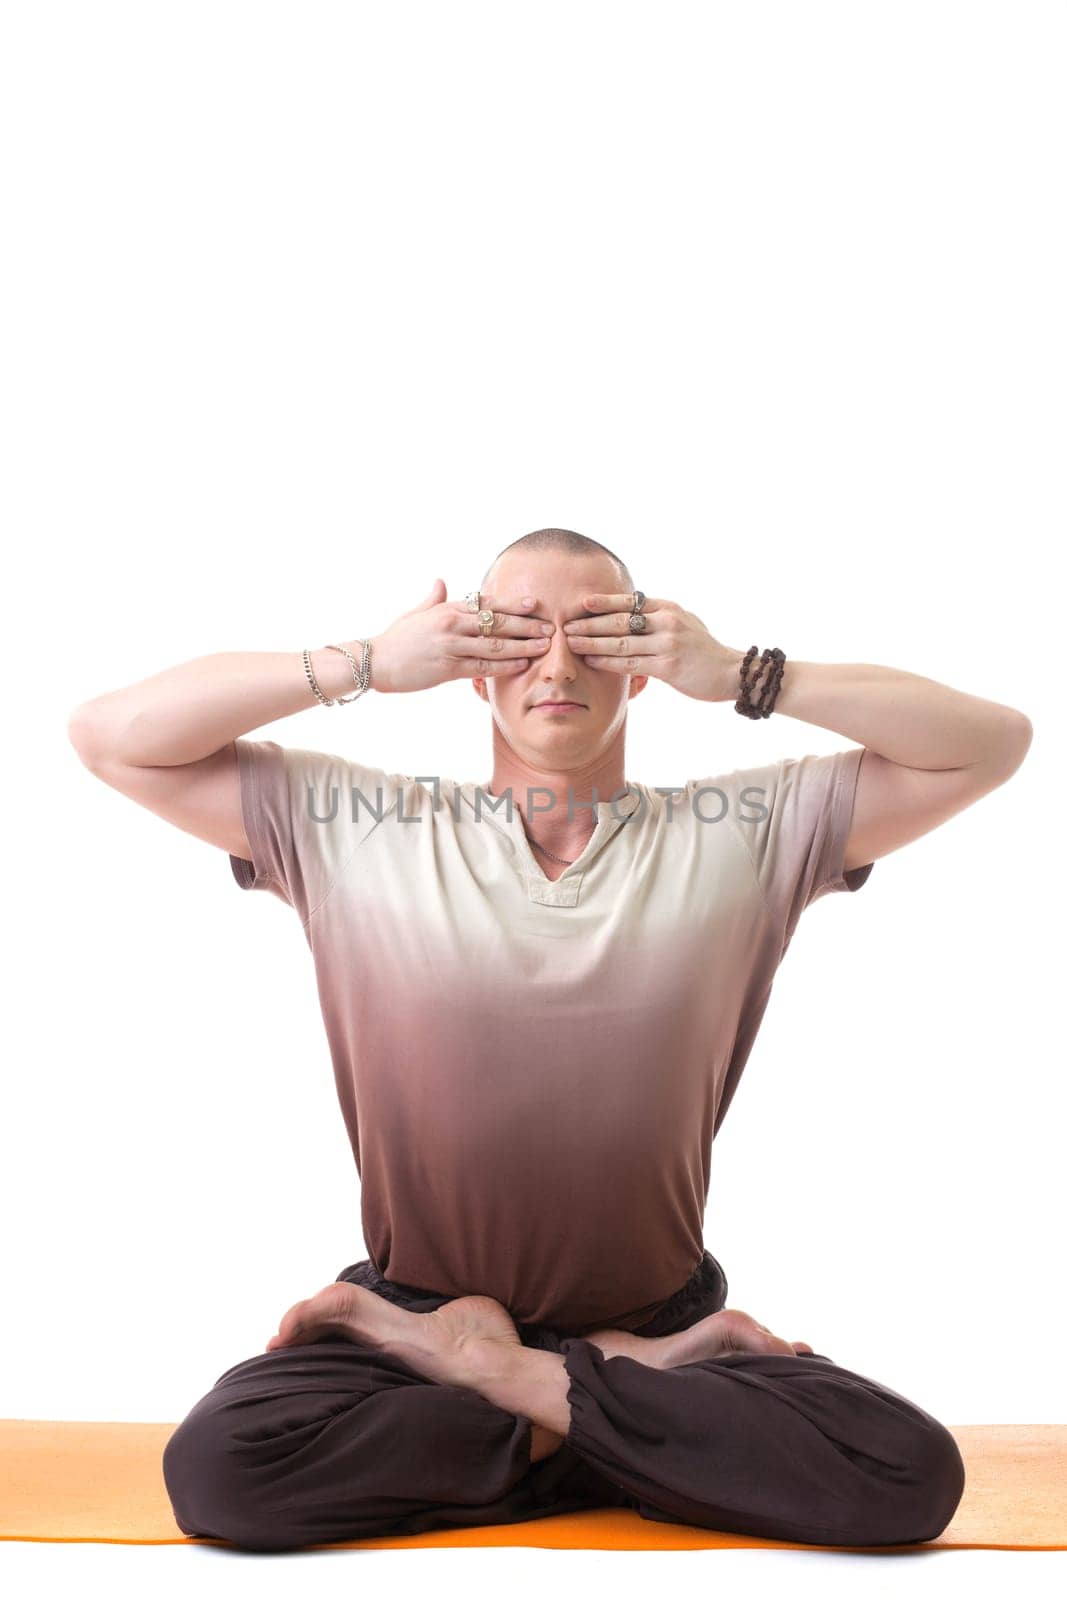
361,674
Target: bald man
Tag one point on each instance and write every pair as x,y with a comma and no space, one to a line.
539,995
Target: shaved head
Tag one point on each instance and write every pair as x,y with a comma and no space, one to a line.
575,544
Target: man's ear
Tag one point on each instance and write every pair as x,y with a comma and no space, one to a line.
480,690
637,683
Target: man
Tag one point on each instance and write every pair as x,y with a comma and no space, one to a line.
537,1019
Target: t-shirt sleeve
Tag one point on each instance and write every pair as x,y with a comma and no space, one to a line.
301,819
794,817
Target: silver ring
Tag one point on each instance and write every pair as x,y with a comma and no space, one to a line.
638,623
474,600
639,599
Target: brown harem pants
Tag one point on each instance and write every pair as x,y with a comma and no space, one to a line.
329,1441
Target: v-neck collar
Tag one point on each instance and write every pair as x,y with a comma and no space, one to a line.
561,891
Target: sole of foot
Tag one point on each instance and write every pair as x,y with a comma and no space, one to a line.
721,1333
449,1345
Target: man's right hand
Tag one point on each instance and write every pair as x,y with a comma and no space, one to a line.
440,640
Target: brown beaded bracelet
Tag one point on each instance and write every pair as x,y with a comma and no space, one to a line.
775,660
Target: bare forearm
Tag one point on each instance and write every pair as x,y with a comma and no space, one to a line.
905,717
190,710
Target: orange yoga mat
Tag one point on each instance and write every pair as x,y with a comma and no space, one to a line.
102,1483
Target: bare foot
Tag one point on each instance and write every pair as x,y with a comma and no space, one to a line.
347,1309
448,1344
437,1343
715,1335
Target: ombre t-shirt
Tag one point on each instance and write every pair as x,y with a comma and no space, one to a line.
531,1072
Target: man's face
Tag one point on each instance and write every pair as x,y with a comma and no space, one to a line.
561,739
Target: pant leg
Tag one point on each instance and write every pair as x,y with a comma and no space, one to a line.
329,1441
780,1447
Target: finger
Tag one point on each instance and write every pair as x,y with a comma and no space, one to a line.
476,667
616,609
634,661
512,617
612,644
492,648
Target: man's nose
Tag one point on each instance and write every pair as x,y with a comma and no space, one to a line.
558,639
558,653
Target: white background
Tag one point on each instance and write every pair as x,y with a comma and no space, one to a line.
307,305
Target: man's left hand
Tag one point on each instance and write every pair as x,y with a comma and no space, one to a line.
675,646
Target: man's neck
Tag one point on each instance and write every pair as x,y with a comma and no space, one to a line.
542,797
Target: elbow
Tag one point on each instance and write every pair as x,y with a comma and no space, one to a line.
84,733
1024,735
1017,740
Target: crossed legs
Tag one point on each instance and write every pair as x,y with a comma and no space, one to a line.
372,1419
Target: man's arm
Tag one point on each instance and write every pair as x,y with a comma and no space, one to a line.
167,742
895,804
930,751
